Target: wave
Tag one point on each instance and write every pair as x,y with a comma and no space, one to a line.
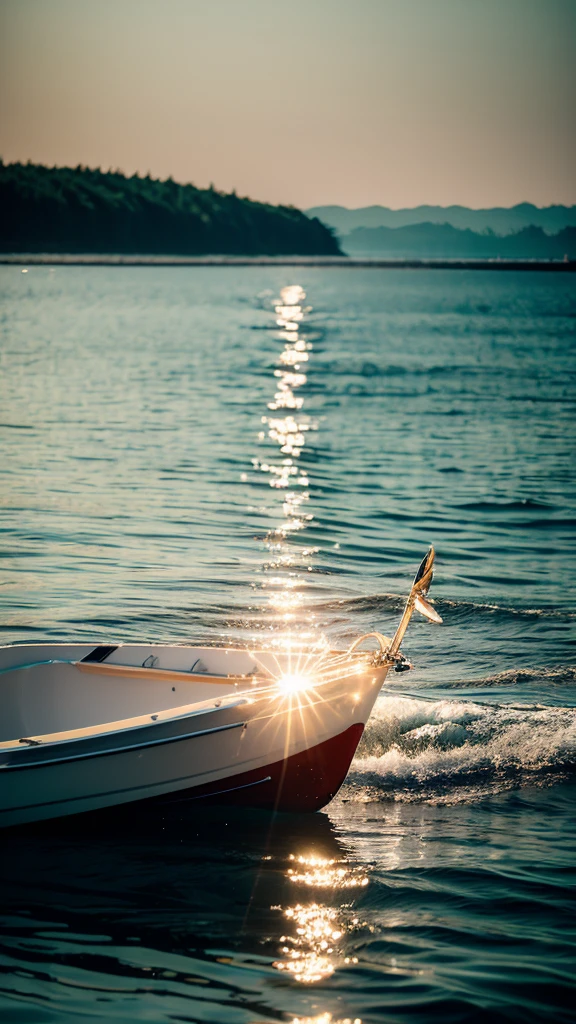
556,675
350,367
450,751
466,609
456,610
500,506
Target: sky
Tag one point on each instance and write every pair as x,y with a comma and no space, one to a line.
310,102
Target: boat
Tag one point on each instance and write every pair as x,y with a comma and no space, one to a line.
89,727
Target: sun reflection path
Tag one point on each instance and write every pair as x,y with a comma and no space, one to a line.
288,428
315,939
325,1018
318,871
313,945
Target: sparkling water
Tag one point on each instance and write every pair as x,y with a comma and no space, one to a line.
261,456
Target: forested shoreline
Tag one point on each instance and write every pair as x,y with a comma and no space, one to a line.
81,210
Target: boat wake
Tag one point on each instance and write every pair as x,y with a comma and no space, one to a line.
450,751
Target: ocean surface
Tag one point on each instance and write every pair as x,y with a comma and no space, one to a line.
261,456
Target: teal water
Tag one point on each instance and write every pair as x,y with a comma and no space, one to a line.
177,465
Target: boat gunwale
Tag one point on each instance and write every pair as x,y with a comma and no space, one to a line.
79,742
120,726
43,744
110,752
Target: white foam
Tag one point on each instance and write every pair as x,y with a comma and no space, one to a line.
448,751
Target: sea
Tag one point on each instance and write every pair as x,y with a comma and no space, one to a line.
261,456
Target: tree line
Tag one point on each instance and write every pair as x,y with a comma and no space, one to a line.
84,210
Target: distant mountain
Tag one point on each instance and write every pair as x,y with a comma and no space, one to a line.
78,210
442,241
501,220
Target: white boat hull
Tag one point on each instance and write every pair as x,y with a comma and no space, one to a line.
128,730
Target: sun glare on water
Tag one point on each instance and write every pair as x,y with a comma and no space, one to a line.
314,944
325,1018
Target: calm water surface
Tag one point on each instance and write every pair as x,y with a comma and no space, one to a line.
192,454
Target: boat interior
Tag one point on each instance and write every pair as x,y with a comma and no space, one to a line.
49,690
72,687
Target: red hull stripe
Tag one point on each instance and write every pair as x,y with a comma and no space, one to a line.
301,782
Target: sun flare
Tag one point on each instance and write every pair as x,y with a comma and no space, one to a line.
294,682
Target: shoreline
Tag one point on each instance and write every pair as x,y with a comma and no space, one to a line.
117,260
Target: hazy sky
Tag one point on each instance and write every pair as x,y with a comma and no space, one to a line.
398,102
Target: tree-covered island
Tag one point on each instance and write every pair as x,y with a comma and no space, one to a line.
79,210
